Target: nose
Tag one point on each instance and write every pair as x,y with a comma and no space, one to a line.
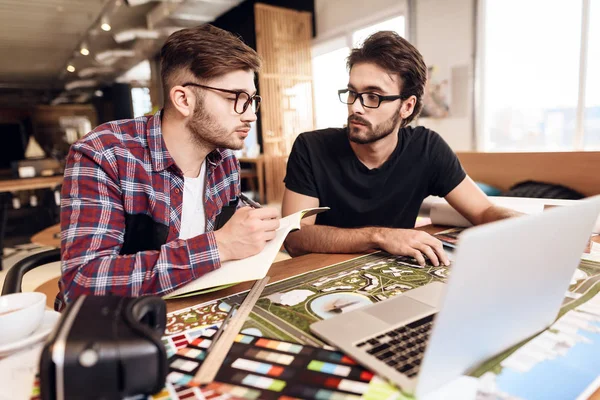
356,107
249,115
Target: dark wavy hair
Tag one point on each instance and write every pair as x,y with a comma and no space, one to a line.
205,52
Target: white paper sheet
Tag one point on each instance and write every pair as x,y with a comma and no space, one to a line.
441,213
17,373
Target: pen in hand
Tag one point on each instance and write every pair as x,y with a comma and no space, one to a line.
248,201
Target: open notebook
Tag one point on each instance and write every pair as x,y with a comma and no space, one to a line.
248,269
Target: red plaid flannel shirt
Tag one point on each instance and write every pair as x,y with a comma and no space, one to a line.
124,167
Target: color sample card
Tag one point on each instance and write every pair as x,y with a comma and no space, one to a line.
261,368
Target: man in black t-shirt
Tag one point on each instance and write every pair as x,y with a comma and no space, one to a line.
375,173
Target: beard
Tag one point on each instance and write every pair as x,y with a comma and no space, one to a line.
372,134
207,132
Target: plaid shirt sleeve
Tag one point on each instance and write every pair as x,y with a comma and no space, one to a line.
93,226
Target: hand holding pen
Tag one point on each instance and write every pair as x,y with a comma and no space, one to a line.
247,232
249,202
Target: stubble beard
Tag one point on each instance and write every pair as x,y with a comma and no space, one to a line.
372,135
207,132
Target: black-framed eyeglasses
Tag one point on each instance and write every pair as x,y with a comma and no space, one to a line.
242,99
367,99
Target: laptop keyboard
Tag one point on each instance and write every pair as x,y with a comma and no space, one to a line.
402,348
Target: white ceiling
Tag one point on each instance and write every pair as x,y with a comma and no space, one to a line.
39,38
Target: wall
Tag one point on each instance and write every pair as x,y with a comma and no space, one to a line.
332,16
445,36
442,30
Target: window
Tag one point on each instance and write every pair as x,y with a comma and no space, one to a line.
531,76
591,124
140,98
394,24
330,73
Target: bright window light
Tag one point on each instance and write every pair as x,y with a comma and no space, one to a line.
531,75
396,24
140,98
591,123
330,75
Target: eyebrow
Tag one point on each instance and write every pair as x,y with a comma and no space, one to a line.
368,88
243,90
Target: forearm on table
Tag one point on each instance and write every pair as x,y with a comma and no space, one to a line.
328,239
495,213
104,271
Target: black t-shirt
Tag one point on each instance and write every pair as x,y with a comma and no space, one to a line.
323,165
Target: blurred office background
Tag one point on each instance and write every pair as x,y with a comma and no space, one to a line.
504,75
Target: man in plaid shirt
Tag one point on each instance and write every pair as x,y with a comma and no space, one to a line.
144,201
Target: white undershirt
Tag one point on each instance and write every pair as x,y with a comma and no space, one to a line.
193,220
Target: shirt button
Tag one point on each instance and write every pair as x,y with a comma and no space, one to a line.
177,191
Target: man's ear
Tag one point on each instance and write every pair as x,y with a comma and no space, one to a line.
408,106
183,100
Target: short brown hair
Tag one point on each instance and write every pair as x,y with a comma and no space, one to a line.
203,52
390,51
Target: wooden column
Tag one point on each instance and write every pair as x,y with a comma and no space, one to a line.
283,40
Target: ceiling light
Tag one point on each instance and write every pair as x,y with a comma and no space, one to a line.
59,100
133,3
131,34
84,49
91,71
70,68
110,56
104,24
81,84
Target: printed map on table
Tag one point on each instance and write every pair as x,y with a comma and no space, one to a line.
287,308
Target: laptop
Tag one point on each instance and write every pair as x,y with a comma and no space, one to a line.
507,283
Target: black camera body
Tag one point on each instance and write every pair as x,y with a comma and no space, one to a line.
105,347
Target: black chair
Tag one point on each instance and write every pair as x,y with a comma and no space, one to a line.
14,276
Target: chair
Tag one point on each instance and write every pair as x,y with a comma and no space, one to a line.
14,276
250,175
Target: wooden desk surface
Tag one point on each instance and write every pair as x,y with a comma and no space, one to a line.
279,271
42,182
48,237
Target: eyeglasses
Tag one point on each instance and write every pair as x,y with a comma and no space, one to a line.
242,99
368,100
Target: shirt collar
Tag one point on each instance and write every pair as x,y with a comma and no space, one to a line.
161,158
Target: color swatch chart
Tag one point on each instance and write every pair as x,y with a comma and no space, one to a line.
261,368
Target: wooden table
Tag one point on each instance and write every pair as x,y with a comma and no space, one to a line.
48,237
8,186
279,271
259,165
43,182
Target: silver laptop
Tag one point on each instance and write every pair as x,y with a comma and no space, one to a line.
507,283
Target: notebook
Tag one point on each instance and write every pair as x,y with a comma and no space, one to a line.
247,269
